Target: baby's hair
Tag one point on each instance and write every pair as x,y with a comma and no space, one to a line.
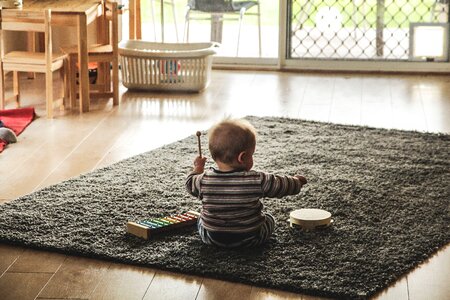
230,137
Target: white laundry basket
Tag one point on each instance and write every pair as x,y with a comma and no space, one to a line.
166,66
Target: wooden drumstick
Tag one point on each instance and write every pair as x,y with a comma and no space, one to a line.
199,143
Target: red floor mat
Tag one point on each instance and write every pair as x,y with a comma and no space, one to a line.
16,120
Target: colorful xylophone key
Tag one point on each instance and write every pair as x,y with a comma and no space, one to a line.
146,228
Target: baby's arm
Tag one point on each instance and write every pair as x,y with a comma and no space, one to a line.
193,179
278,186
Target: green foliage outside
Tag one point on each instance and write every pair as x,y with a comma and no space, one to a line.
398,13
269,12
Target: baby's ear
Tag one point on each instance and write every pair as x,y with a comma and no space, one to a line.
241,156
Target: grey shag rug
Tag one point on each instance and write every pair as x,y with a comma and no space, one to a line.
388,191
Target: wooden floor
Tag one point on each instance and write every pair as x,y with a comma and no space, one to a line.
50,151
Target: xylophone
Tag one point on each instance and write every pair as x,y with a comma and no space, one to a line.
145,229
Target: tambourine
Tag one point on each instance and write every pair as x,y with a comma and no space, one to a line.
310,218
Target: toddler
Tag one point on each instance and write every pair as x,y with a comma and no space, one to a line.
232,213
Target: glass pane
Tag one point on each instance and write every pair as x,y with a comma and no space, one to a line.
224,28
358,29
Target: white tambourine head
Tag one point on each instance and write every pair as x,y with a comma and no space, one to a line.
310,218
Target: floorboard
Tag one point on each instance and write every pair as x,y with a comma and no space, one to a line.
50,151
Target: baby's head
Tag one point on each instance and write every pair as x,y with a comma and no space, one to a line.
232,142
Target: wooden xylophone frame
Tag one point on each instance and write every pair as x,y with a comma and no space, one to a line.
147,228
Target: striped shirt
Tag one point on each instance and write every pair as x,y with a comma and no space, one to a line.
231,200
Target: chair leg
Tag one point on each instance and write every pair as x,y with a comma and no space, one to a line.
115,81
107,76
2,87
175,19
259,30
103,82
49,93
16,88
241,16
31,45
152,9
186,24
72,79
64,74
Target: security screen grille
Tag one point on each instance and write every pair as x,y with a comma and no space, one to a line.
358,29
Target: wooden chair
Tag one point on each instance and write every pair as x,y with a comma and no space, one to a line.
104,54
28,61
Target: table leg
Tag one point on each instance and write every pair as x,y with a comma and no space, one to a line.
83,76
102,67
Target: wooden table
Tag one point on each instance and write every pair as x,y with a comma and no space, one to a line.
73,13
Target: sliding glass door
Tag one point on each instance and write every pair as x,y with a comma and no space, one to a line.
371,34
361,30
377,35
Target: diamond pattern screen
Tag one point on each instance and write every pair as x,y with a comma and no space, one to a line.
358,29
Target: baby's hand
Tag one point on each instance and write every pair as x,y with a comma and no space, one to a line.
199,164
302,179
